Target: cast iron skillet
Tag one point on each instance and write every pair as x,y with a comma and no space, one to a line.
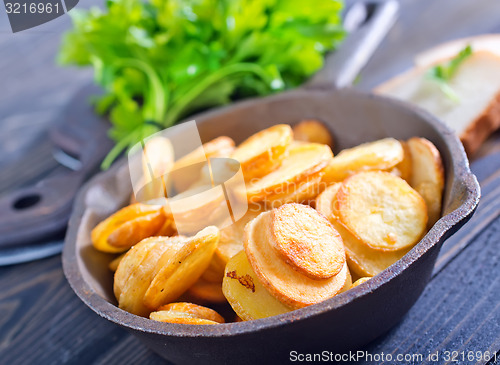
342,323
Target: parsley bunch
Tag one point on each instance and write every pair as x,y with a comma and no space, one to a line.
162,60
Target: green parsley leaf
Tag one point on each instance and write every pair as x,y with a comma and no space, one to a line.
162,60
443,73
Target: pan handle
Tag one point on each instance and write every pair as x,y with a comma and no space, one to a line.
343,66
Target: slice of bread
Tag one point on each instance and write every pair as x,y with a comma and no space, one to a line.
476,112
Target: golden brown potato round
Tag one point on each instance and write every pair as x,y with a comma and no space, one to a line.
230,243
348,281
246,294
215,270
285,283
311,130
132,259
207,292
302,192
360,281
196,310
113,265
168,228
307,241
231,237
157,161
198,208
186,170
187,313
382,210
131,292
183,269
178,317
262,152
301,162
404,168
362,259
427,175
325,202
128,226
131,232
383,154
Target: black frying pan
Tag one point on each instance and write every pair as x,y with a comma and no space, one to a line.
342,323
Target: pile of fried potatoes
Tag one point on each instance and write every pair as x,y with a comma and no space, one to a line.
317,225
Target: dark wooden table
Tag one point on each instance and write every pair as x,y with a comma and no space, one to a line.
43,322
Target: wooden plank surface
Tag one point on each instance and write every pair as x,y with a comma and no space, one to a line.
43,322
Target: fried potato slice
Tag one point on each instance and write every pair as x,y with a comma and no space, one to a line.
230,243
131,232
215,270
128,226
348,281
170,316
157,161
326,202
362,259
186,313
183,269
296,143
132,259
302,161
382,210
197,208
133,290
360,281
168,228
262,152
186,170
383,154
288,285
231,237
404,168
311,130
427,175
246,294
167,315
113,265
307,241
195,310
207,292
303,192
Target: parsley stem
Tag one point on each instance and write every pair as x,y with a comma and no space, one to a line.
119,147
176,110
158,99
